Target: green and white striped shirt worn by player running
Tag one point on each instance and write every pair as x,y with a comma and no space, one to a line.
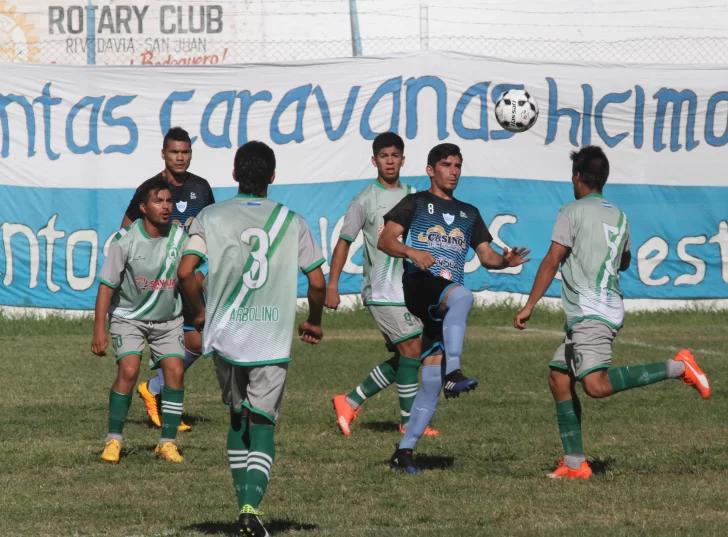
254,248
597,233
382,284
143,273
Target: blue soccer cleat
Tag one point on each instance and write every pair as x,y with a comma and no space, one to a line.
457,383
402,461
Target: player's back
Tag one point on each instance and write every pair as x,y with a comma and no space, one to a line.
599,233
251,286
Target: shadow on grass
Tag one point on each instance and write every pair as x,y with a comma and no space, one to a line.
381,426
430,462
277,525
601,466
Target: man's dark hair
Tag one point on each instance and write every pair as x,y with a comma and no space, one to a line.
149,187
176,134
387,139
443,151
255,164
592,164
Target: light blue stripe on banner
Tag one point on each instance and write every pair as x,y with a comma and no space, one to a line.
91,34
681,234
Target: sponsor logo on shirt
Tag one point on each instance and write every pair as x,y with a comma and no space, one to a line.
172,253
449,218
181,206
446,263
607,204
143,284
193,196
463,215
444,273
437,237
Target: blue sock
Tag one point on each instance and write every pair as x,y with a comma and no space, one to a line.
155,385
459,303
424,406
190,358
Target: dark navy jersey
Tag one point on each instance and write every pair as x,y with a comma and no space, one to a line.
188,200
445,228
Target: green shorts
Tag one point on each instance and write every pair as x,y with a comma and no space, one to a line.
395,323
587,347
258,388
165,338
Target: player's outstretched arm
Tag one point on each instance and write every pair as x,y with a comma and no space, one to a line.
100,341
310,330
338,259
545,275
389,244
491,259
190,286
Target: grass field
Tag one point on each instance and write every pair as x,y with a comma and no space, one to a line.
660,452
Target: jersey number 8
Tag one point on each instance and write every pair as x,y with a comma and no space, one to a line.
256,276
430,208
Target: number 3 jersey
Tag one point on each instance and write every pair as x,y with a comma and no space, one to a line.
597,233
254,248
445,228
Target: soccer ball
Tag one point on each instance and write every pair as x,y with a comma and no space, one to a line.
516,110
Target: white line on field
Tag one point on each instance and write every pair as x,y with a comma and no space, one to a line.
634,342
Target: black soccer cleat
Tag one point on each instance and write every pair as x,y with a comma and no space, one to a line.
250,524
402,461
457,383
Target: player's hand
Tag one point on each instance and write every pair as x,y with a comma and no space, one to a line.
516,256
199,321
522,317
310,333
422,259
99,343
332,298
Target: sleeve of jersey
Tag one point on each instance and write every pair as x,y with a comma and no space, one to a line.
563,233
628,241
402,213
310,255
197,242
480,232
353,222
210,196
113,268
133,212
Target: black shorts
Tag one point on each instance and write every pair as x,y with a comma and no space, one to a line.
188,316
423,295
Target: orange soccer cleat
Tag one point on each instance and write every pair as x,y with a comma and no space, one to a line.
345,414
693,375
564,472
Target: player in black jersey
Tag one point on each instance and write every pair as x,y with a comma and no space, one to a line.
441,230
190,194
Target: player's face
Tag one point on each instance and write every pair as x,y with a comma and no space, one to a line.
158,208
177,157
446,173
389,162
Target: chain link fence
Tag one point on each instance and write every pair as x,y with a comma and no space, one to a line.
206,51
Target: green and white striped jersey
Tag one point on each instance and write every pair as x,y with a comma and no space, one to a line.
143,273
597,232
382,284
254,248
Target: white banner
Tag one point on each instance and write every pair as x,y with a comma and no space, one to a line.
76,141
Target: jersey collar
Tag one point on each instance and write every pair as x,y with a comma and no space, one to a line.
254,196
600,196
378,184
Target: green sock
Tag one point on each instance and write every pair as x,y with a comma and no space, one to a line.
237,449
407,386
634,376
172,401
381,376
260,461
568,415
118,409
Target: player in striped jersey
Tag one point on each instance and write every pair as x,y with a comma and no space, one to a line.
254,248
138,291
